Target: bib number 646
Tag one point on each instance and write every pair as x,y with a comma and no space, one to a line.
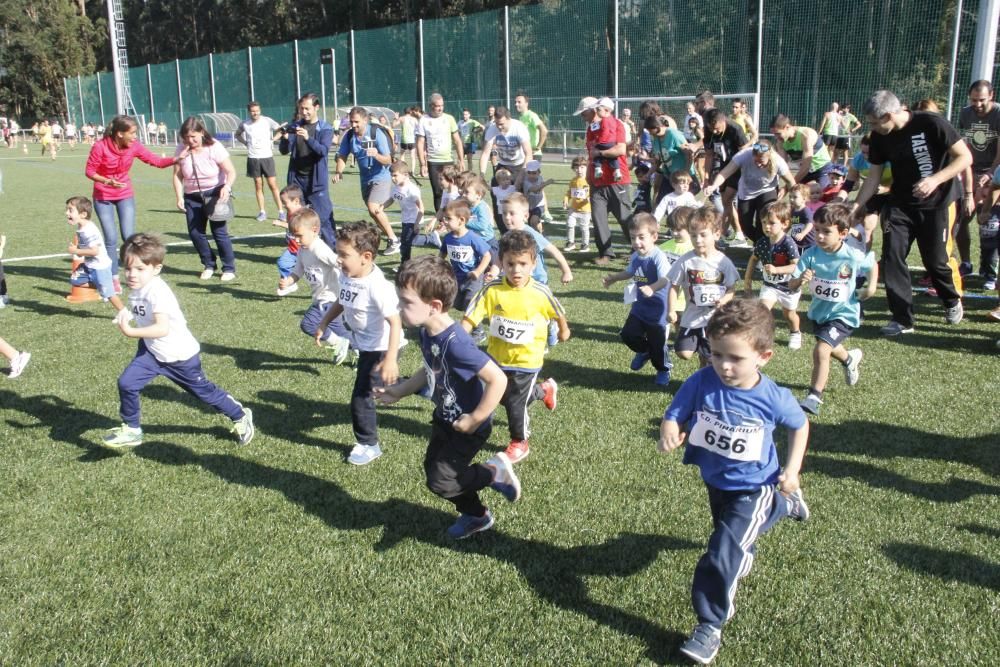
830,293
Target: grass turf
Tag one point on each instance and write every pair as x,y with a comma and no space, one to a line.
196,550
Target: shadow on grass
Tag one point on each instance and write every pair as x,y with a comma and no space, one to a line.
888,441
62,421
260,360
556,574
946,565
40,272
69,310
607,380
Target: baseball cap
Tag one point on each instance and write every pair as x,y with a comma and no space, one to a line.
533,165
586,104
606,103
839,169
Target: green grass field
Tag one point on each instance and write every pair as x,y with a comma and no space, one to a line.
194,550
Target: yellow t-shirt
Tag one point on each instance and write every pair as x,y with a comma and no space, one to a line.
518,320
578,195
674,250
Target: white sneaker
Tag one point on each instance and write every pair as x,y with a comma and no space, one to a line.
392,249
852,369
18,363
341,348
795,340
207,274
364,454
288,290
227,276
262,216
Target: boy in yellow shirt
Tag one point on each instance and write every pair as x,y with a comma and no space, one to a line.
577,202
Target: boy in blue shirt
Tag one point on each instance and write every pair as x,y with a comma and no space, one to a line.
465,386
831,268
645,330
727,413
469,254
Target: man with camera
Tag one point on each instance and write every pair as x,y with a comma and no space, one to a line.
372,149
307,143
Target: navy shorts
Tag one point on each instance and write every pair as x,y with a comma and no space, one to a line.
693,340
833,333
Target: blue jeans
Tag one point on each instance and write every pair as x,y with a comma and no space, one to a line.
286,262
198,222
126,218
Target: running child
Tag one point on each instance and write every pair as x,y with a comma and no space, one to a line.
728,414
533,187
518,309
89,244
706,278
166,347
830,268
504,188
465,387
802,218
449,185
470,256
292,201
777,254
645,329
676,247
643,202
411,205
517,216
577,202
318,264
18,360
474,189
680,196
370,308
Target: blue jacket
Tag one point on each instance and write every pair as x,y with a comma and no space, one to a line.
320,146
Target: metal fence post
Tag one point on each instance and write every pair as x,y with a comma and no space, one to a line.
506,50
354,73
423,83
250,71
66,93
298,82
149,86
954,58
615,81
322,89
760,60
180,96
79,91
211,80
333,73
986,40
100,99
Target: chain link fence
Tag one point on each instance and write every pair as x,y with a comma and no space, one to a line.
789,56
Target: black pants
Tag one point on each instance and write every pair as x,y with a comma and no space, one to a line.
520,393
364,419
449,470
613,198
643,337
931,229
751,216
434,174
3,281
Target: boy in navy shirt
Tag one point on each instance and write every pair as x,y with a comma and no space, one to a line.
645,330
465,386
728,413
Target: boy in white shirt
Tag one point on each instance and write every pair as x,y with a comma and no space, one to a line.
166,346
89,244
371,311
411,205
681,196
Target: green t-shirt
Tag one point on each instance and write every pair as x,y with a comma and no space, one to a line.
532,121
847,121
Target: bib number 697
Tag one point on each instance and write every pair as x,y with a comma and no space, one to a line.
723,442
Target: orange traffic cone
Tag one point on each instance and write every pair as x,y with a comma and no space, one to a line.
81,293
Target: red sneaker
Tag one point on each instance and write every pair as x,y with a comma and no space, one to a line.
517,450
551,389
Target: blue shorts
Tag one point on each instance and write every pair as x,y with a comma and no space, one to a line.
99,278
833,333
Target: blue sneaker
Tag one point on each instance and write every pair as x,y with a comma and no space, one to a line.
662,378
703,644
639,360
469,525
505,482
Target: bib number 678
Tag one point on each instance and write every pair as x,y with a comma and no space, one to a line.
724,442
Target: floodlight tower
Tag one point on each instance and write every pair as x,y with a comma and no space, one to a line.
119,56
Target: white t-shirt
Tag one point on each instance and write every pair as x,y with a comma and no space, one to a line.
502,193
319,266
56,130
704,281
448,196
409,200
755,181
151,129
156,297
367,302
258,136
509,144
672,201
437,134
70,130
89,236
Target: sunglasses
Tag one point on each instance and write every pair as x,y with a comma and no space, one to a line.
759,149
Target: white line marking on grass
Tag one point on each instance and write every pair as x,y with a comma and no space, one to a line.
172,243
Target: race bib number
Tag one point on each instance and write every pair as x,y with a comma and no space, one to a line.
776,278
707,295
631,293
835,291
463,254
515,332
579,193
740,443
314,277
990,229
595,126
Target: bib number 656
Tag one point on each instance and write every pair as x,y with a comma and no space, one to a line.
724,442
